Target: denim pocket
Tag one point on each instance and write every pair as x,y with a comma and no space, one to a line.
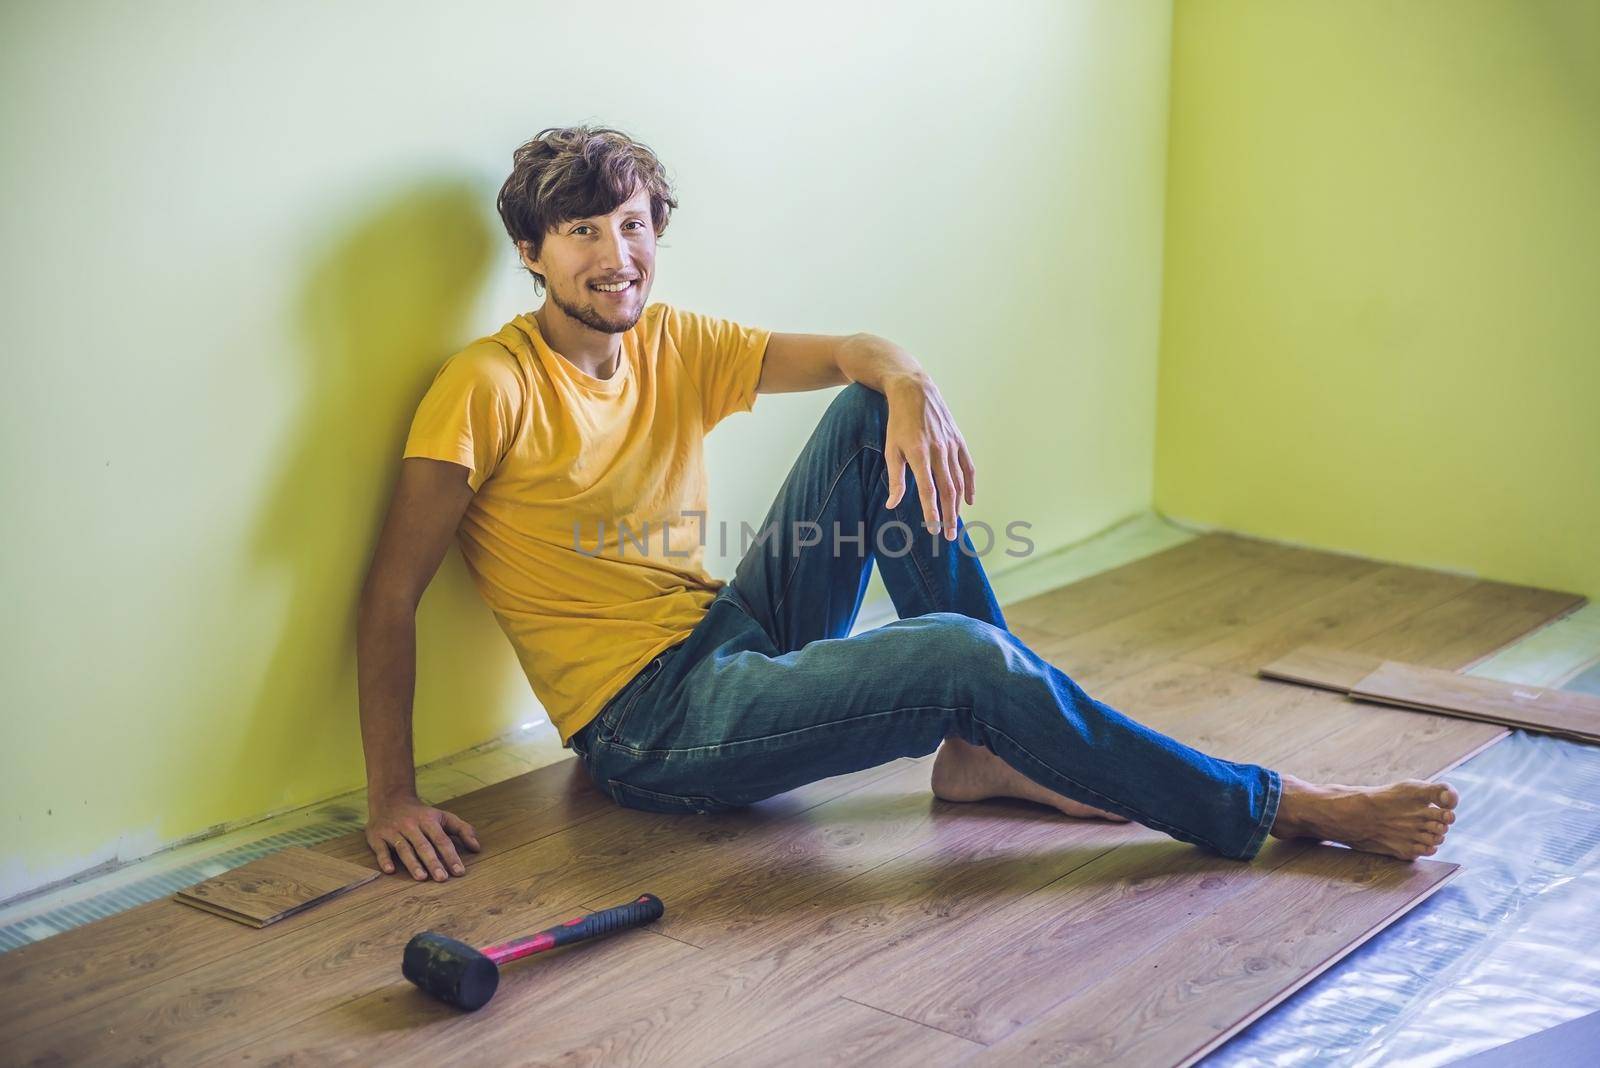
655,801
616,712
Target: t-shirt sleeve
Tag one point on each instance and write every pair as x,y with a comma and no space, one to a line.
469,414
723,359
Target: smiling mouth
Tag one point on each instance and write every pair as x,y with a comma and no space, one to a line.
631,284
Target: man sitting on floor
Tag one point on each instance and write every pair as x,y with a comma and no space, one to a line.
565,452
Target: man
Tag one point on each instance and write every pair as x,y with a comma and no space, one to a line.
581,424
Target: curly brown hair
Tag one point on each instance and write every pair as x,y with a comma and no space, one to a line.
575,172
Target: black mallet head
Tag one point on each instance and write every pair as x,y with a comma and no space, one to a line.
451,971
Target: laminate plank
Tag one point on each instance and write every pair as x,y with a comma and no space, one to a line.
271,888
393,1022
1139,584
843,1032
1181,1000
1101,655
397,1024
1366,607
887,835
1470,628
1531,708
1058,941
1377,745
770,980
1228,715
1322,666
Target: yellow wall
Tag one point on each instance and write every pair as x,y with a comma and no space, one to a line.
240,240
1381,323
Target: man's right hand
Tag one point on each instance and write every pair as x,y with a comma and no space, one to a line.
419,835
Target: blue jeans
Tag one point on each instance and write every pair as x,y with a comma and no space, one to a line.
769,692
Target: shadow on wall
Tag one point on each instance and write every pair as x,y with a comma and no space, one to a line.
383,306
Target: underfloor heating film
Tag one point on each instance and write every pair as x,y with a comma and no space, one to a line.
1502,951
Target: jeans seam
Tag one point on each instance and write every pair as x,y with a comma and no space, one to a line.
783,591
927,583
1269,814
1139,814
615,727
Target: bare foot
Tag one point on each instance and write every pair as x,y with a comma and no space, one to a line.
963,772
1405,819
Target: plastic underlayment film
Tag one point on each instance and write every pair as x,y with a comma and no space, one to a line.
1505,949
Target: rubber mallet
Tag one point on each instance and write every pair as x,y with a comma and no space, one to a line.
465,977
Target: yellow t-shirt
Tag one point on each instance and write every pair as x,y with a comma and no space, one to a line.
553,453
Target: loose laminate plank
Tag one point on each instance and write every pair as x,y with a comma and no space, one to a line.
1532,708
1322,666
269,889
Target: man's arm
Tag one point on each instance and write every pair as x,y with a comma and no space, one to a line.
430,498
921,431
798,362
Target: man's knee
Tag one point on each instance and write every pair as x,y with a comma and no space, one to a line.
963,643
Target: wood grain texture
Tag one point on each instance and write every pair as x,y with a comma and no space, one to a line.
1533,708
843,1032
858,918
1472,627
1103,654
270,888
1365,608
1322,666
1135,585
1182,999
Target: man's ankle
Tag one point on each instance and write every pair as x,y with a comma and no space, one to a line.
1295,803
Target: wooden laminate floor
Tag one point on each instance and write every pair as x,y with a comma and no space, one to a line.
857,919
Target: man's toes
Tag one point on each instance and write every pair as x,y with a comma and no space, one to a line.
1447,796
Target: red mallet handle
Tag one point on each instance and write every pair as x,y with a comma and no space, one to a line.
647,908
